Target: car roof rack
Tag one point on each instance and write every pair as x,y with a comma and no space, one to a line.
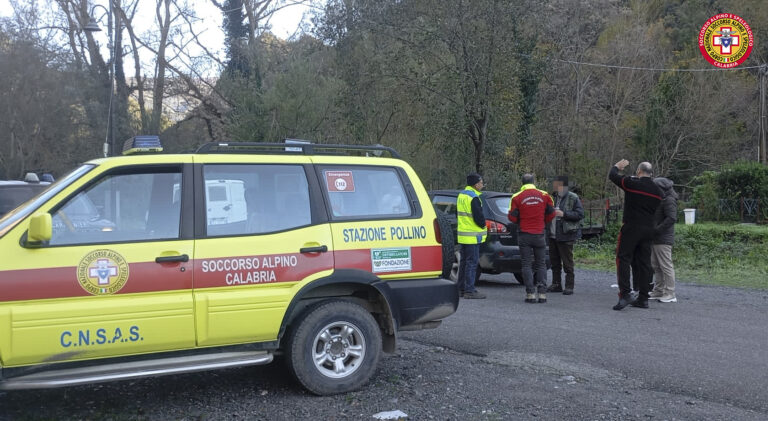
296,149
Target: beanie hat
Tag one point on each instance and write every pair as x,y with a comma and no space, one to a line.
473,178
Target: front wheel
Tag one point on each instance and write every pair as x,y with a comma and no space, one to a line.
335,348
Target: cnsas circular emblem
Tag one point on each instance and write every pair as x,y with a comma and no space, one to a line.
102,272
726,40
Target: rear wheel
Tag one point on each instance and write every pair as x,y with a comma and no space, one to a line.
455,268
334,348
519,278
454,275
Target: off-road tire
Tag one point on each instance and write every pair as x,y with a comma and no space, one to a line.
449,243
454,275
519,278
305,335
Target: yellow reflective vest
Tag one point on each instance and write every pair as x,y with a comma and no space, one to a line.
468,232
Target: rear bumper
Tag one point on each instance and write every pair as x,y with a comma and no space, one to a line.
417,303
498,258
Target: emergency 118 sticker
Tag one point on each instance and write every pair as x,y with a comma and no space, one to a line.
340,181
391,260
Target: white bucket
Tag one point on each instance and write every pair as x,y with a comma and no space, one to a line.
690,216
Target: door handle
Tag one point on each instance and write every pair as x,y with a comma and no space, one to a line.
316,249
167,259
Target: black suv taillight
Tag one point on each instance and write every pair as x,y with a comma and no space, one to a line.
495,227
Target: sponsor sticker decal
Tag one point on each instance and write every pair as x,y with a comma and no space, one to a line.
102,272
726,40
339,181
391,259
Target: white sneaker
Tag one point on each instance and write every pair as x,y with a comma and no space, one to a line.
654,295
668,299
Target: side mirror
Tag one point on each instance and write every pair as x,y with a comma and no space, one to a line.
40,229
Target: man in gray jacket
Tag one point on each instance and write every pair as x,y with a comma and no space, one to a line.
564,230
664,239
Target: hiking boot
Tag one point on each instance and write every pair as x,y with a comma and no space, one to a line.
623,302
568,291
530,298
477,295
639,303
555,288
668,298
542,298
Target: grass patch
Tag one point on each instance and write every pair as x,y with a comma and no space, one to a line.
725,254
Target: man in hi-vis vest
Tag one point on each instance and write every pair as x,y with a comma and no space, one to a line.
471,232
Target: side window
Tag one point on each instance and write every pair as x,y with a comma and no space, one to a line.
445,204
136,206
365,192
255,198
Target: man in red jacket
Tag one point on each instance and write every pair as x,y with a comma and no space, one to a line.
531,209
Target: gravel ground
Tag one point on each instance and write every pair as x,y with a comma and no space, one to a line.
496,359
423,381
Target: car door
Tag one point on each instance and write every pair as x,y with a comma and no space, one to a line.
249,267
115,278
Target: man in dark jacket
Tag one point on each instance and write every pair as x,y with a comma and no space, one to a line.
564,230
633,252
531,209
664,239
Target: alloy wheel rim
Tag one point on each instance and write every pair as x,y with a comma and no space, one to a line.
338,349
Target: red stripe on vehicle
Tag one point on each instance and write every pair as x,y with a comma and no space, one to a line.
423,259
262,269
61,282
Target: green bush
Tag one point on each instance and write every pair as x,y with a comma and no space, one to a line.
705,196
735,181
743,179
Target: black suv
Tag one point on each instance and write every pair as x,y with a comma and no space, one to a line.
499,253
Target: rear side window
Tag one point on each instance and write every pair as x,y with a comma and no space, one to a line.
255,198
355,193
501,204
445,204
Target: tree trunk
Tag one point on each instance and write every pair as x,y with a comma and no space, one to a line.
159,87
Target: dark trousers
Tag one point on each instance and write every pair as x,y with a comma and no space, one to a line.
470,253
633,255
561,257
533,253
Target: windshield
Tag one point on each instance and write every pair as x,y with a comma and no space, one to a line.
12,218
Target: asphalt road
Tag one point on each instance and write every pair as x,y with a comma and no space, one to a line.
573,358
711,345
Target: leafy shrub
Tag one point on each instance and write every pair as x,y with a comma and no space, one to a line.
735,181
743,179
705,196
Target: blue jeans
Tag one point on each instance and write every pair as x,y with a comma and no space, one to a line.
470,253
